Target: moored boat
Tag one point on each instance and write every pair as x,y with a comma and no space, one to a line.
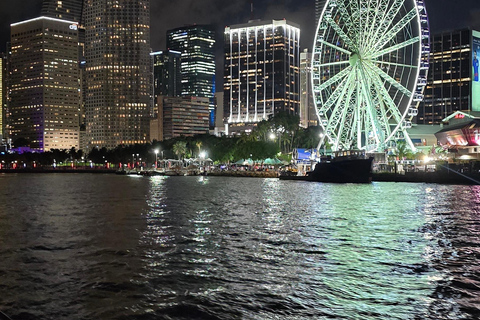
352,166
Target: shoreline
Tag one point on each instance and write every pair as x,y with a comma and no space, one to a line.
444,177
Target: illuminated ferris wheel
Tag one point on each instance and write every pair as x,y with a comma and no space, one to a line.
369,70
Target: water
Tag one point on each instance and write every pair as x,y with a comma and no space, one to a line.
81,246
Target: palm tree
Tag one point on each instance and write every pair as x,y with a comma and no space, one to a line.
180,148
199,146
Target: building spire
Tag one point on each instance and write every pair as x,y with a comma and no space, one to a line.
252,17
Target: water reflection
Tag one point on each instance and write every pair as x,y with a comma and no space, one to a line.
220,248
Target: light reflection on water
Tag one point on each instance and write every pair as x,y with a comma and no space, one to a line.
118,247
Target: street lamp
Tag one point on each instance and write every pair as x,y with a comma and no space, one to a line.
156,155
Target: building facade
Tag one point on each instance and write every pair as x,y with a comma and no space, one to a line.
43,84
308,113
197,46
450,81
167,76
262,62
180,116
63,9
118,72
2,100
319,6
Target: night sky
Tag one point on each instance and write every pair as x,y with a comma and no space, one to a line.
443,14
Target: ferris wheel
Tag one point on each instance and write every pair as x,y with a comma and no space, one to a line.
369,70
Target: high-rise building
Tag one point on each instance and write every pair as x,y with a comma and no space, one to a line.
72,10
308,114
167,76
451,80
262,60
2,98
63,9
319,6
197,46
118,72
180,116
43,83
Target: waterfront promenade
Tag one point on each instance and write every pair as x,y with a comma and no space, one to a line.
439,177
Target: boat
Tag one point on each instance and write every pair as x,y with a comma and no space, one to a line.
351,166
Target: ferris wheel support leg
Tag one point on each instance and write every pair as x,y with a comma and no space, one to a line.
320,143
409,141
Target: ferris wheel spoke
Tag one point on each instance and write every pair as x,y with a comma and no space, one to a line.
396,47
342,36
392,110
336,63
390,34
392,81
334,96
388,16
347,131
335,101
338,77
382,110
331,45
341,111
394,64
369,20
350,25
370,117
377,18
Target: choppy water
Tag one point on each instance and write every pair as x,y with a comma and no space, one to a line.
119,247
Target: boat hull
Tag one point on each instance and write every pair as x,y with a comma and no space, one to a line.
343,171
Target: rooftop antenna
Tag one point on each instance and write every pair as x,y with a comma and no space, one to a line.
251,10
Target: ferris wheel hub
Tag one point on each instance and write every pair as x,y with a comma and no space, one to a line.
354,58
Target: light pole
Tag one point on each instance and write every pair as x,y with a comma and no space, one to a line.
156,155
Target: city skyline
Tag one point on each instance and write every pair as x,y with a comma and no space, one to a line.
169,15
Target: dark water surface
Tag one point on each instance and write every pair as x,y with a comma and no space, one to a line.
81,246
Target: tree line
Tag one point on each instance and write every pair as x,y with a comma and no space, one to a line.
275,137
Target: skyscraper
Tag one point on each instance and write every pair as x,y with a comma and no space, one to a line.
63,9
44,86
319,6
118,72
167,76
450,81
197,46
2,99
262,61
308,114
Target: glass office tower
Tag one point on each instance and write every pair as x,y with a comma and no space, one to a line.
449,82
196,44
63,9
262,62
118,72
43,84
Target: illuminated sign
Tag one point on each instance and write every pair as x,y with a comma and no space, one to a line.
73,27
475,71
459,116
